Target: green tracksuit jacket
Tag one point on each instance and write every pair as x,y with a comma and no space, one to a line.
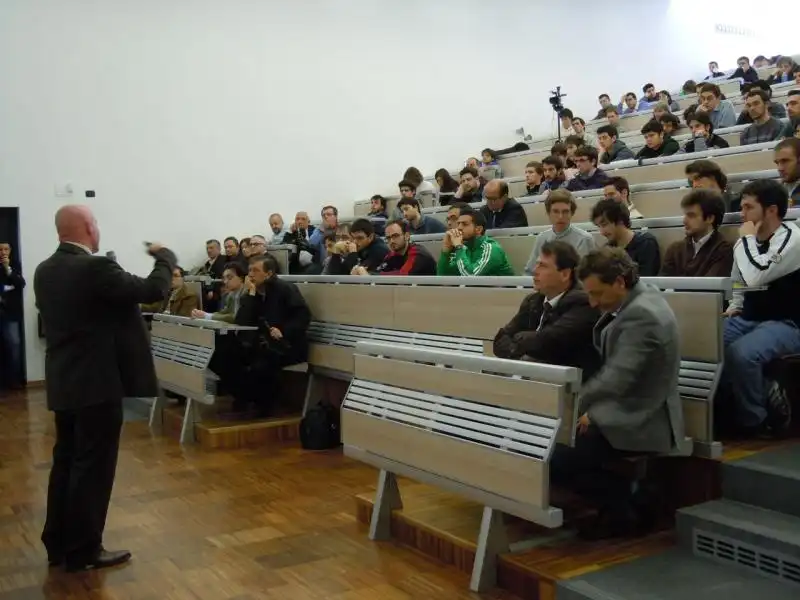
481,256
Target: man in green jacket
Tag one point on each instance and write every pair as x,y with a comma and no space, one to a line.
467,251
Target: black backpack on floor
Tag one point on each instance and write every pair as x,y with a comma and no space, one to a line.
319,429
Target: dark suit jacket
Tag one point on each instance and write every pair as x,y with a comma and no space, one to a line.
11,301
280,305
97,346
564,339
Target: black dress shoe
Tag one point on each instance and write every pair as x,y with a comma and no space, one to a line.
102,560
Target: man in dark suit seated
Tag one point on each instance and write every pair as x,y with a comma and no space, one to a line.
554,324
631,405
249,363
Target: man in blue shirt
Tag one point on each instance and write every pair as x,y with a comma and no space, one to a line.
721,111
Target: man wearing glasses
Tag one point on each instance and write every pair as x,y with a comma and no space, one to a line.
405,257
589,177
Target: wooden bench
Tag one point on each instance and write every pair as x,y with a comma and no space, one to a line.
427,312
480,427
182,350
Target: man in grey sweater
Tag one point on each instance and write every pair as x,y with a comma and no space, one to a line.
560,207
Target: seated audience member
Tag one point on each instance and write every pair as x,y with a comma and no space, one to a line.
365,250
762,324
249,364
659,110
706,175
572,143
559,149
744,71
554,324
418,223
627,105
775,109
613,148
232,252
489,161
405,257
421,186
244,249
761,61
447,186
212,268
330,221
704,252
500,211
560,207
471,189
689,112
670,123
277,228
407,190
534,175
554,178
233,278
786,71
589,177
720,111
605,102
377,213
467,250
612,116
337,242
614,222
713,71
689,87
650,98
632,403
793,112
258,246
566,117
618,189
787,160
579,127
301,233
764,128
666,97
703,136
454,212
473,163
656,143
181,300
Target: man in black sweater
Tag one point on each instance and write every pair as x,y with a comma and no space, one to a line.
656,142
365,251
249,363
11,285
614,221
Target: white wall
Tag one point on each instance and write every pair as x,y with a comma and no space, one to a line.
197,118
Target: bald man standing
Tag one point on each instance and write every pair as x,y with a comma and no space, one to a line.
97,353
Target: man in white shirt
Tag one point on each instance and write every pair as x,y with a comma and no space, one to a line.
764,317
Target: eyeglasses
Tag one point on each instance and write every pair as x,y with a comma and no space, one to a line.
394,236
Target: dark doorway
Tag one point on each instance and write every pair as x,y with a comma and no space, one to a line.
12,321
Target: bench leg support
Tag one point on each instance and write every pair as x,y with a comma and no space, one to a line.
190,417
492,541
312,392
157,413
387,499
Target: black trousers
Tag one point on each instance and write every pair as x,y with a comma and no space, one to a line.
580,469
84,466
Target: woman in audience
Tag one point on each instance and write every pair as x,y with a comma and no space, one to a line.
448,186
414,175
665,96
670,123
659,110
786,71
489,163
233,279
181,301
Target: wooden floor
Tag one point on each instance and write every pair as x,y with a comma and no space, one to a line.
275,523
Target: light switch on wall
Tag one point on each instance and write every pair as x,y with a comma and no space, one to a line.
63,190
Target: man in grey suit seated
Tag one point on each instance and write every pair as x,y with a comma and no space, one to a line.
632,404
